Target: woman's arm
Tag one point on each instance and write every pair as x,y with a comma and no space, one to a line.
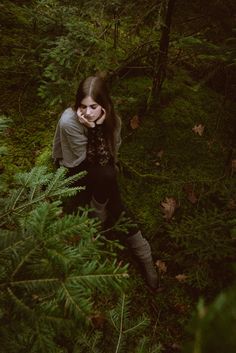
56,149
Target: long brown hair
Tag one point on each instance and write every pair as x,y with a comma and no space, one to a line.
96,88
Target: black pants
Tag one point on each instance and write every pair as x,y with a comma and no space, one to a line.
101,183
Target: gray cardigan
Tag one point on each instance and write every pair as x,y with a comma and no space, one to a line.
70,140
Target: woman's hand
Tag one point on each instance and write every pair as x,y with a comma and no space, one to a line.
102,118
91,124
83,120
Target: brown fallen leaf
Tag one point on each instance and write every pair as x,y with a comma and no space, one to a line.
176,346
181,277
98,320
181,308
161,266
157,164
231,205
168,207
233,166
134,122
198,129
191,196
160,153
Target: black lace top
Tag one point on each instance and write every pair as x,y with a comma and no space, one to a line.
98,151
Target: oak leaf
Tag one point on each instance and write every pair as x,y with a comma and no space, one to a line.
168,207
161,266
181,277
134,122
198,129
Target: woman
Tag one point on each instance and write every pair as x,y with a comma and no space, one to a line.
88,138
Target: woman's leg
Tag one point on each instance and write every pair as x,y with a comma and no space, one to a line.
104,186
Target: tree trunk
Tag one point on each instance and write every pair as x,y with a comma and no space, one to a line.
159,70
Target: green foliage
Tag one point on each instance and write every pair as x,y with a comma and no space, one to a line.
213,326
51,264
126,334
205,247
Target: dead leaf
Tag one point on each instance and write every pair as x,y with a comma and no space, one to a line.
181,277
168,207
198,129
191,196
233,166
176,346
161,266
160,153
157,164
231,205
134,122
181,308
98,320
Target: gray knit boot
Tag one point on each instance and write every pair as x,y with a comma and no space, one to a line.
99,209
142,250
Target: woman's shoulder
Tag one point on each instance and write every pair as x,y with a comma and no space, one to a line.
67,115
69,120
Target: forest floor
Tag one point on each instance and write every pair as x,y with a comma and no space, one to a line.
175,179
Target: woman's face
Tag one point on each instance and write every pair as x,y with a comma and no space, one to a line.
90,109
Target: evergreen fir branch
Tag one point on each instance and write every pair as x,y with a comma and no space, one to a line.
58,186
35,284
62,260
22,262
7,239
75,303
60,181
139,325
88,343
71,225
21,307
121,325
42,340
40,219
145,346
102,276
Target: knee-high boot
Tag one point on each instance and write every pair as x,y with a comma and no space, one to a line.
142,251
99,209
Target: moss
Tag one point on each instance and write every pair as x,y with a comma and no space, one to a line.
147,177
